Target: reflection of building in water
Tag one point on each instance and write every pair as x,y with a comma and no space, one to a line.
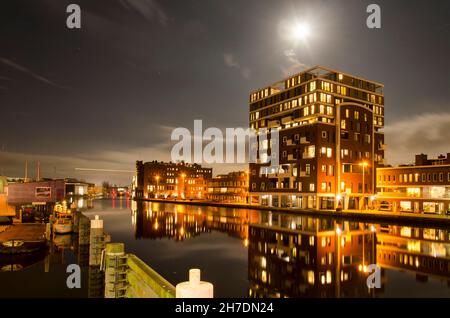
298,256
423,251
187,221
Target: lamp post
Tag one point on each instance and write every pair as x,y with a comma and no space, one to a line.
183,176
248,185
363,165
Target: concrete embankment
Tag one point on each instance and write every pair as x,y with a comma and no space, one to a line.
401,218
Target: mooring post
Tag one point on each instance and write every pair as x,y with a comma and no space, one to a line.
115,270
48,232
194,288
83,230
97,241
75,220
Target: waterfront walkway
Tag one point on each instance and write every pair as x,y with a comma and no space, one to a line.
360,215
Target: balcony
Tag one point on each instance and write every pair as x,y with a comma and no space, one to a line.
304,141
291,157
381,147
289,142
273,124
381,162
306,155
304,174
286,120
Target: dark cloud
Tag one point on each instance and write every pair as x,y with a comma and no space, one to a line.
138,68
427,133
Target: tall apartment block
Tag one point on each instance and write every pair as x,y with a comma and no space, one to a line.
170,180
331,141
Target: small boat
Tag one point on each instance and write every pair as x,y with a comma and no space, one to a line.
19,246
11,268
13,243
63,224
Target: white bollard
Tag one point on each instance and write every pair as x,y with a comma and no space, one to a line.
97,223
194,288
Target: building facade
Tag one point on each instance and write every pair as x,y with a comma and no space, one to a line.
229,188
422,187
5,208
170,180
331,140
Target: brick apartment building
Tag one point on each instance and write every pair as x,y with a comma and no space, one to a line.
170,180
331,141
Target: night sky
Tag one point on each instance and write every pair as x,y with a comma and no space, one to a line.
111,93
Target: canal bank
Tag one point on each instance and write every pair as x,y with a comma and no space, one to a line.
401,218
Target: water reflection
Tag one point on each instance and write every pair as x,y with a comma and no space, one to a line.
302,256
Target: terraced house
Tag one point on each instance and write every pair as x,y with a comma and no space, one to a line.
331,141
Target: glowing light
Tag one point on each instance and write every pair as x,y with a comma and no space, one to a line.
301,31
339,197
338,231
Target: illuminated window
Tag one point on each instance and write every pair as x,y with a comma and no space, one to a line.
323,186
312,187
347,113
308,169
356,114
341,77
312,86
322,109
310,151
311,277
264,276
343,124
329,110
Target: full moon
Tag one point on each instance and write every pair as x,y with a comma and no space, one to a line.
301,31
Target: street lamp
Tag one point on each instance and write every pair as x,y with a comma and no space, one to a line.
363,165
183,176
248,185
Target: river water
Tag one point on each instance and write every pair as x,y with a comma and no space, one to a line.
250,253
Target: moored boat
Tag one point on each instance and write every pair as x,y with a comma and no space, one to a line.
63,225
